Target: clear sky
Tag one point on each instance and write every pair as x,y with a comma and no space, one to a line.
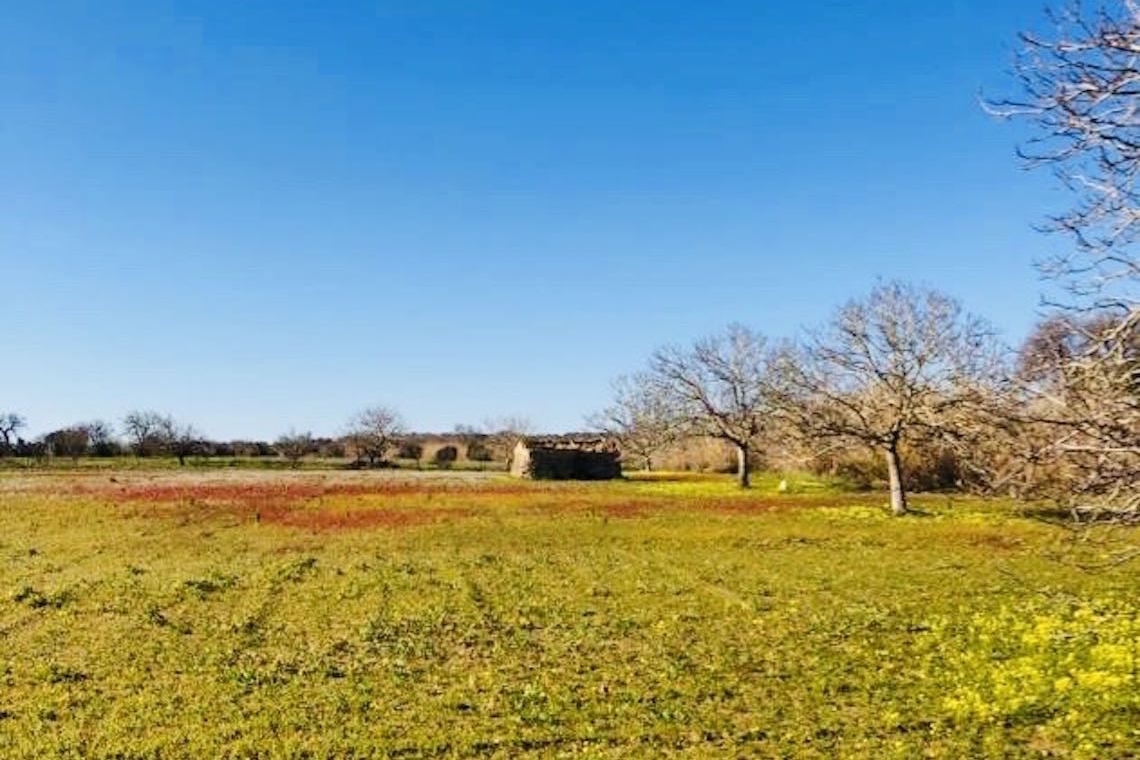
269,214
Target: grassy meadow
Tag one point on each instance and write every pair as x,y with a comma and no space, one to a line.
364,615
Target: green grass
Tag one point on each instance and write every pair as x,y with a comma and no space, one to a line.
167,616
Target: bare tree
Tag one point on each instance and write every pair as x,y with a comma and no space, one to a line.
373,431
717,388
145,431
294,446
1080,92
10,426
151,433
640,419
1080,378
181,439
904,364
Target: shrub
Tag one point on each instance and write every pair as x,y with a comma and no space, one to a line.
411,450
445,457
479,451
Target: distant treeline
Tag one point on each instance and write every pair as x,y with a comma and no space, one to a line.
375,438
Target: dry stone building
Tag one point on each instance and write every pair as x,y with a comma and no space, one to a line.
566,457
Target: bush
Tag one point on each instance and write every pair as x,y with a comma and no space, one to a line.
932,470
411,450
924,469
479,452
107,449
445,457
861,473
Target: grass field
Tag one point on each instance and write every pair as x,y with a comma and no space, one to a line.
305,615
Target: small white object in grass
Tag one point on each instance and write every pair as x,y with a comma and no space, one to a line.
783,486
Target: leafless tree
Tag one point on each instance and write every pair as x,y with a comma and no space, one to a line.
1080,376
181,439
146,431
373,431
1080,92
294,446
718,388
905,364
640,419
151,433
10,426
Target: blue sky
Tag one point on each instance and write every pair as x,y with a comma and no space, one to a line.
264,215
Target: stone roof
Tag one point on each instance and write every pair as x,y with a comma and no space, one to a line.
570,442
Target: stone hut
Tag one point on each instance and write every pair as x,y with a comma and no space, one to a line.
566,457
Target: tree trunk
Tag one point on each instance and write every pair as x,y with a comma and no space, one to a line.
894,473
743,474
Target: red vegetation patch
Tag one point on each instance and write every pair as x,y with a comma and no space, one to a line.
328,505
258,493
298,505
331,520
626,509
